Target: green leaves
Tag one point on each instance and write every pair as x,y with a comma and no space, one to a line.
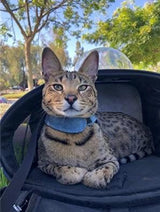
133,30
43,3
3,29
68,13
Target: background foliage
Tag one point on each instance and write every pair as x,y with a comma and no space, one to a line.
31,17
133,30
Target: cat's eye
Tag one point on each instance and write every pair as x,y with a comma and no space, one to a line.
82,87
58,87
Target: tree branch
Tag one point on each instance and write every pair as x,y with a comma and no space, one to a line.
38,20
6,5
36,12
28,15
39,16
46,14
13,10
43,24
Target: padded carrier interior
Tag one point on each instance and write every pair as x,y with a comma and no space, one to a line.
119,97
133,178
136,183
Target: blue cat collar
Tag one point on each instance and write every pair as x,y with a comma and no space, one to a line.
69,125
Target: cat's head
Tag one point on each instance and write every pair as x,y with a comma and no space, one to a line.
69,94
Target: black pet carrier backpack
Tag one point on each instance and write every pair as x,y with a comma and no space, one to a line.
136,187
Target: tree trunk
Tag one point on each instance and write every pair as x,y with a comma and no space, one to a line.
27,49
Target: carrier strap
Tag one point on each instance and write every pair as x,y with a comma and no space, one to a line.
12,192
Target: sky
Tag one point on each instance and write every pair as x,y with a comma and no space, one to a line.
72,43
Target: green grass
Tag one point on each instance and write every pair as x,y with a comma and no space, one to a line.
18,153
3,180
15,95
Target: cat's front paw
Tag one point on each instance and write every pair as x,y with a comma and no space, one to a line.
98,178
69,175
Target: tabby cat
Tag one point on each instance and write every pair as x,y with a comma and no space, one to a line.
75,145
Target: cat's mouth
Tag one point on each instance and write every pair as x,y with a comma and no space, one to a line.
71,109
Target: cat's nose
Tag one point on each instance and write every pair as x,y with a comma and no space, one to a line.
70,99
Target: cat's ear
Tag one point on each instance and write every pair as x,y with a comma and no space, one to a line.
90,65
50,63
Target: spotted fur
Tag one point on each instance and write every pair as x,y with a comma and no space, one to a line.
91,156
129,139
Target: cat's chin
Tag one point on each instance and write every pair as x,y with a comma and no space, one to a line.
75,114
72,113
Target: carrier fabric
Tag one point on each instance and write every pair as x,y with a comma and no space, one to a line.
136,188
